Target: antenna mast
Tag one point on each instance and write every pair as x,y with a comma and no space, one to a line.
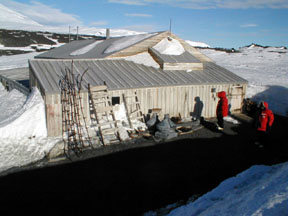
69,33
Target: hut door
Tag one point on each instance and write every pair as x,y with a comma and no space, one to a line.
235,98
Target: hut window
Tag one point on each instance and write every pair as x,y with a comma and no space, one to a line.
115,100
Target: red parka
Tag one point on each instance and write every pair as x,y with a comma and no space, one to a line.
266,118
222,106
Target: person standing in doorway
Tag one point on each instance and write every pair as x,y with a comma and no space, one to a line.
222,109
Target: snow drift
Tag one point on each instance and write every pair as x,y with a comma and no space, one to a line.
260,190
23,133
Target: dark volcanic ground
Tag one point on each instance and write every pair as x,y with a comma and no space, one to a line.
20,38
135,181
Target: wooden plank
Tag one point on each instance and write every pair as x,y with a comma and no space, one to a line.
54,119
98,88
103,109
109,131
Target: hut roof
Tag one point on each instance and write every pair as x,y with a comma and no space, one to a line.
94,48
123,74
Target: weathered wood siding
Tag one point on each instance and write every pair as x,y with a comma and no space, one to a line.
53,114
176,100
172,100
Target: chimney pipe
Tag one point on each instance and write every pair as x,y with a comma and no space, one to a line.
107,33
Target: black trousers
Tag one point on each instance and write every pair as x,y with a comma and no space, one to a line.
262,137
220,121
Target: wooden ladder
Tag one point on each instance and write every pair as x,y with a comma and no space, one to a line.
133,109
101,113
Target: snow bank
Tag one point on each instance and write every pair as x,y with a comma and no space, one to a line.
23,134
260,190
11,102
20,124
169,47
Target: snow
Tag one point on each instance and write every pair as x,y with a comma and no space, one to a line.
23,133
10,19
197,44
169,46
258,191
16,61
85,49
126,42
264,68
142,58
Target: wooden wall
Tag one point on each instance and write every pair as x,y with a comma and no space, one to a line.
173,100
181,99
54,112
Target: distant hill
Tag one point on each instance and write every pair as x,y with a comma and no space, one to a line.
252,45
29,41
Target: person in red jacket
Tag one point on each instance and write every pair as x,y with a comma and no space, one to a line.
265,121
222,109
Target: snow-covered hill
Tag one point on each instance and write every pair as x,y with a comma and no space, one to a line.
13,20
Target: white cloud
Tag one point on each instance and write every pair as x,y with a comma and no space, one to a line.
99,23
141,28
210,4
129,2
138,15
43,14
249,25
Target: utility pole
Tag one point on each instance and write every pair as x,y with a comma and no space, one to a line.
69,33
77,32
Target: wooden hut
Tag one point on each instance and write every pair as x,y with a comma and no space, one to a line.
171,87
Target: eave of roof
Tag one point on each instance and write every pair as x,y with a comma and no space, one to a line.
122,74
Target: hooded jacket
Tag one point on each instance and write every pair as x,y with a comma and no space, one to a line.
266,118
222,106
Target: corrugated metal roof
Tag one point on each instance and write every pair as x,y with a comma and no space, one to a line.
122,74
86,50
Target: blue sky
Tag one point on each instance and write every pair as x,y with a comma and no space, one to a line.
219,23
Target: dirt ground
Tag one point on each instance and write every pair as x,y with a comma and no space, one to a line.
134,181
